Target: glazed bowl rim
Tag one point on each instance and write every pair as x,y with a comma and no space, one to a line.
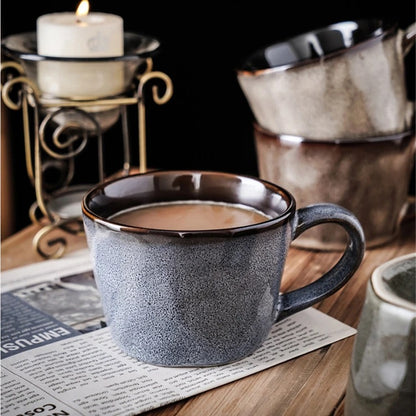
391,137
384,30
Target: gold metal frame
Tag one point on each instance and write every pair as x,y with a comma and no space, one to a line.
33,105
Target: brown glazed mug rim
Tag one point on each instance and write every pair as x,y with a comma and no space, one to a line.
384,30
347,141
119,203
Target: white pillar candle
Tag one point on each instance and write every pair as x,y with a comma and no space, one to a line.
95,35
66,35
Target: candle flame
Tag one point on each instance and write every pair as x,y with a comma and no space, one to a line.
83,8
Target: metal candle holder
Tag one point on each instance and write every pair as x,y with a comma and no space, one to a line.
75,121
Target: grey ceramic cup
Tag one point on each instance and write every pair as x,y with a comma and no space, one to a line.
382,375
370,177
209,297
341,81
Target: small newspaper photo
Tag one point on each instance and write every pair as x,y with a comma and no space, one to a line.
58,357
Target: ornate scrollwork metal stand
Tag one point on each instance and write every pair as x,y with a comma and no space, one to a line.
73,127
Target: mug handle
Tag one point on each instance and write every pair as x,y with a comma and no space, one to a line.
338,276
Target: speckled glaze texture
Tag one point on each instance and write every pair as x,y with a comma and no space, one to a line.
198,298
368,177
382,375
171,300
356,92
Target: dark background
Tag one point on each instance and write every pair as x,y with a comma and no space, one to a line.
207,124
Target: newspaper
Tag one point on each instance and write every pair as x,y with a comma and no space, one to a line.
58,357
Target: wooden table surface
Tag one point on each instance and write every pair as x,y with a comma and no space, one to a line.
313,384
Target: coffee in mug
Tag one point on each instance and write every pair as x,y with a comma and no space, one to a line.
190,215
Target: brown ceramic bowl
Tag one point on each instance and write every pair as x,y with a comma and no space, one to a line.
370,177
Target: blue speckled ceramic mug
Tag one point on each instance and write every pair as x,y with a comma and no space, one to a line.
210,296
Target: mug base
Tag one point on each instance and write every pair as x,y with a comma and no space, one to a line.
173,362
